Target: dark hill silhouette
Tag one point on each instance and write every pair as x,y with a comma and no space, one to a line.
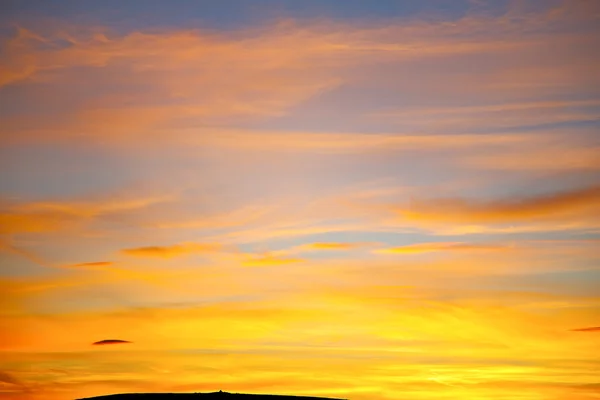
202,396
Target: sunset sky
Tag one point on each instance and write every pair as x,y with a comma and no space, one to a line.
364,199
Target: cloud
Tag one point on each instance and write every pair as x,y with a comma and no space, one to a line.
259,75
172,251
591,329
263,72
469,118
51,216
269,260
276,231
420,248
332,246
558,157
5,377
227,219
110,341
24,253
357,142
578,205
91,265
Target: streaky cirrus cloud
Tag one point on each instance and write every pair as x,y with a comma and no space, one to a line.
91,265
27,254
268,71
51,216
575,203
496,116
549,157
419,248
333,246
110,341
173,250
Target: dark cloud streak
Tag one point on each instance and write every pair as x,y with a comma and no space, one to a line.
96,264
110,341
591,329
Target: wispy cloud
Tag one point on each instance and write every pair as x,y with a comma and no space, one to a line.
334,246
419,248
173,250
92,265
50,216
29,255
494,116
577,206
110,341
256,74
591,329
560,156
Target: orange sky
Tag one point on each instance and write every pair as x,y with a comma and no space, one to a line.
368,201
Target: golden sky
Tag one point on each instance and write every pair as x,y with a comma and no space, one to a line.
367,200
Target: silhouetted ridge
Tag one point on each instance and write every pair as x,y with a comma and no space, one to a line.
202,396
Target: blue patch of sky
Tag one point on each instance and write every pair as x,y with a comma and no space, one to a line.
516,186
403,237
16,266
520,237
386,238
589,122
36,172
583,282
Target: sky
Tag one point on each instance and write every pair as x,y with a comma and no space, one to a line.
370,200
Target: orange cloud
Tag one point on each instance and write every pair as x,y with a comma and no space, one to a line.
284,230
345,142
172,251
493,116
228,219
258,76
38,217
92,265
419,248
26,254
584,202
260,73
97,48
558,157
